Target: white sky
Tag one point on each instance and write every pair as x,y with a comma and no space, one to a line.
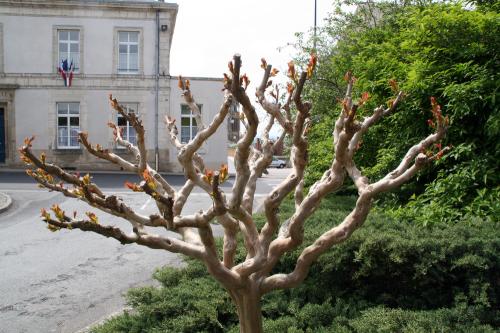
208,33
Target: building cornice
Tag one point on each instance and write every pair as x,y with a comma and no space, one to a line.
89,82
90,9
6,86
197,78
92,4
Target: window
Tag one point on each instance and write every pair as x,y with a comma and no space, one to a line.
68,125
188,124
69,47
128,131
128,52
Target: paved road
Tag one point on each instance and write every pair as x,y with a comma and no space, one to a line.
64,281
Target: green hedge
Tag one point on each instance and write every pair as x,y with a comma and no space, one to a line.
431,48
388,277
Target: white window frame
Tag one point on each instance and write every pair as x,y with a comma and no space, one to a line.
128,44
68,115
55,46
69,42
193,128
128,129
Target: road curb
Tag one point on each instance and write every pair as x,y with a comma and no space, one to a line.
5,202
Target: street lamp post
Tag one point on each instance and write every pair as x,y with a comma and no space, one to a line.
314,39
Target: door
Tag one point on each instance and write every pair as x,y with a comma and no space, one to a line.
2,136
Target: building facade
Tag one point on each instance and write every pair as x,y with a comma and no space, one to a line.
113,47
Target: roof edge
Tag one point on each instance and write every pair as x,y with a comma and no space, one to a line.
197,78
133,4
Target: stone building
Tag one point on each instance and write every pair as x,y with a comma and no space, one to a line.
117,47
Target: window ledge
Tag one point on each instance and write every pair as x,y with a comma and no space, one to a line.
125,74
68,151
122,151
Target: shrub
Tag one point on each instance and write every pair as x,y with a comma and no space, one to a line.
440,49
388,277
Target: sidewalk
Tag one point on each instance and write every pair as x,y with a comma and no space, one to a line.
5,202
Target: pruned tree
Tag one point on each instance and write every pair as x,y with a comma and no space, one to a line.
249,280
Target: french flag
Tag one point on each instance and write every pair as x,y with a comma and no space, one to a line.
66,72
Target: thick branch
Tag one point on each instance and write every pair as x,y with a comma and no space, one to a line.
243,146
334,236
106,155
186,153
258,167
151,241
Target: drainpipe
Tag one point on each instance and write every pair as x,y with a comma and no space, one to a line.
157,85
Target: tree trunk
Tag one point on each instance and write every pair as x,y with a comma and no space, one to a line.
249,312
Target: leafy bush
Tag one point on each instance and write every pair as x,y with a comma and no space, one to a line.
388,277
383,320
430,49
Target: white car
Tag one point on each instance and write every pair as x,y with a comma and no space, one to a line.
277,163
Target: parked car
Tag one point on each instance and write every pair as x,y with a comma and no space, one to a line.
277,163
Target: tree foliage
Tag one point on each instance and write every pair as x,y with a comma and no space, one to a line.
438,49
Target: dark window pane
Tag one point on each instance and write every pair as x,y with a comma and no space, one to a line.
74,121
185,121
122,121
62,121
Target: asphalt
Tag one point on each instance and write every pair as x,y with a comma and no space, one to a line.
54,285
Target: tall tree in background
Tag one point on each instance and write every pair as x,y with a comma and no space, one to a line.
428,48
249,280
